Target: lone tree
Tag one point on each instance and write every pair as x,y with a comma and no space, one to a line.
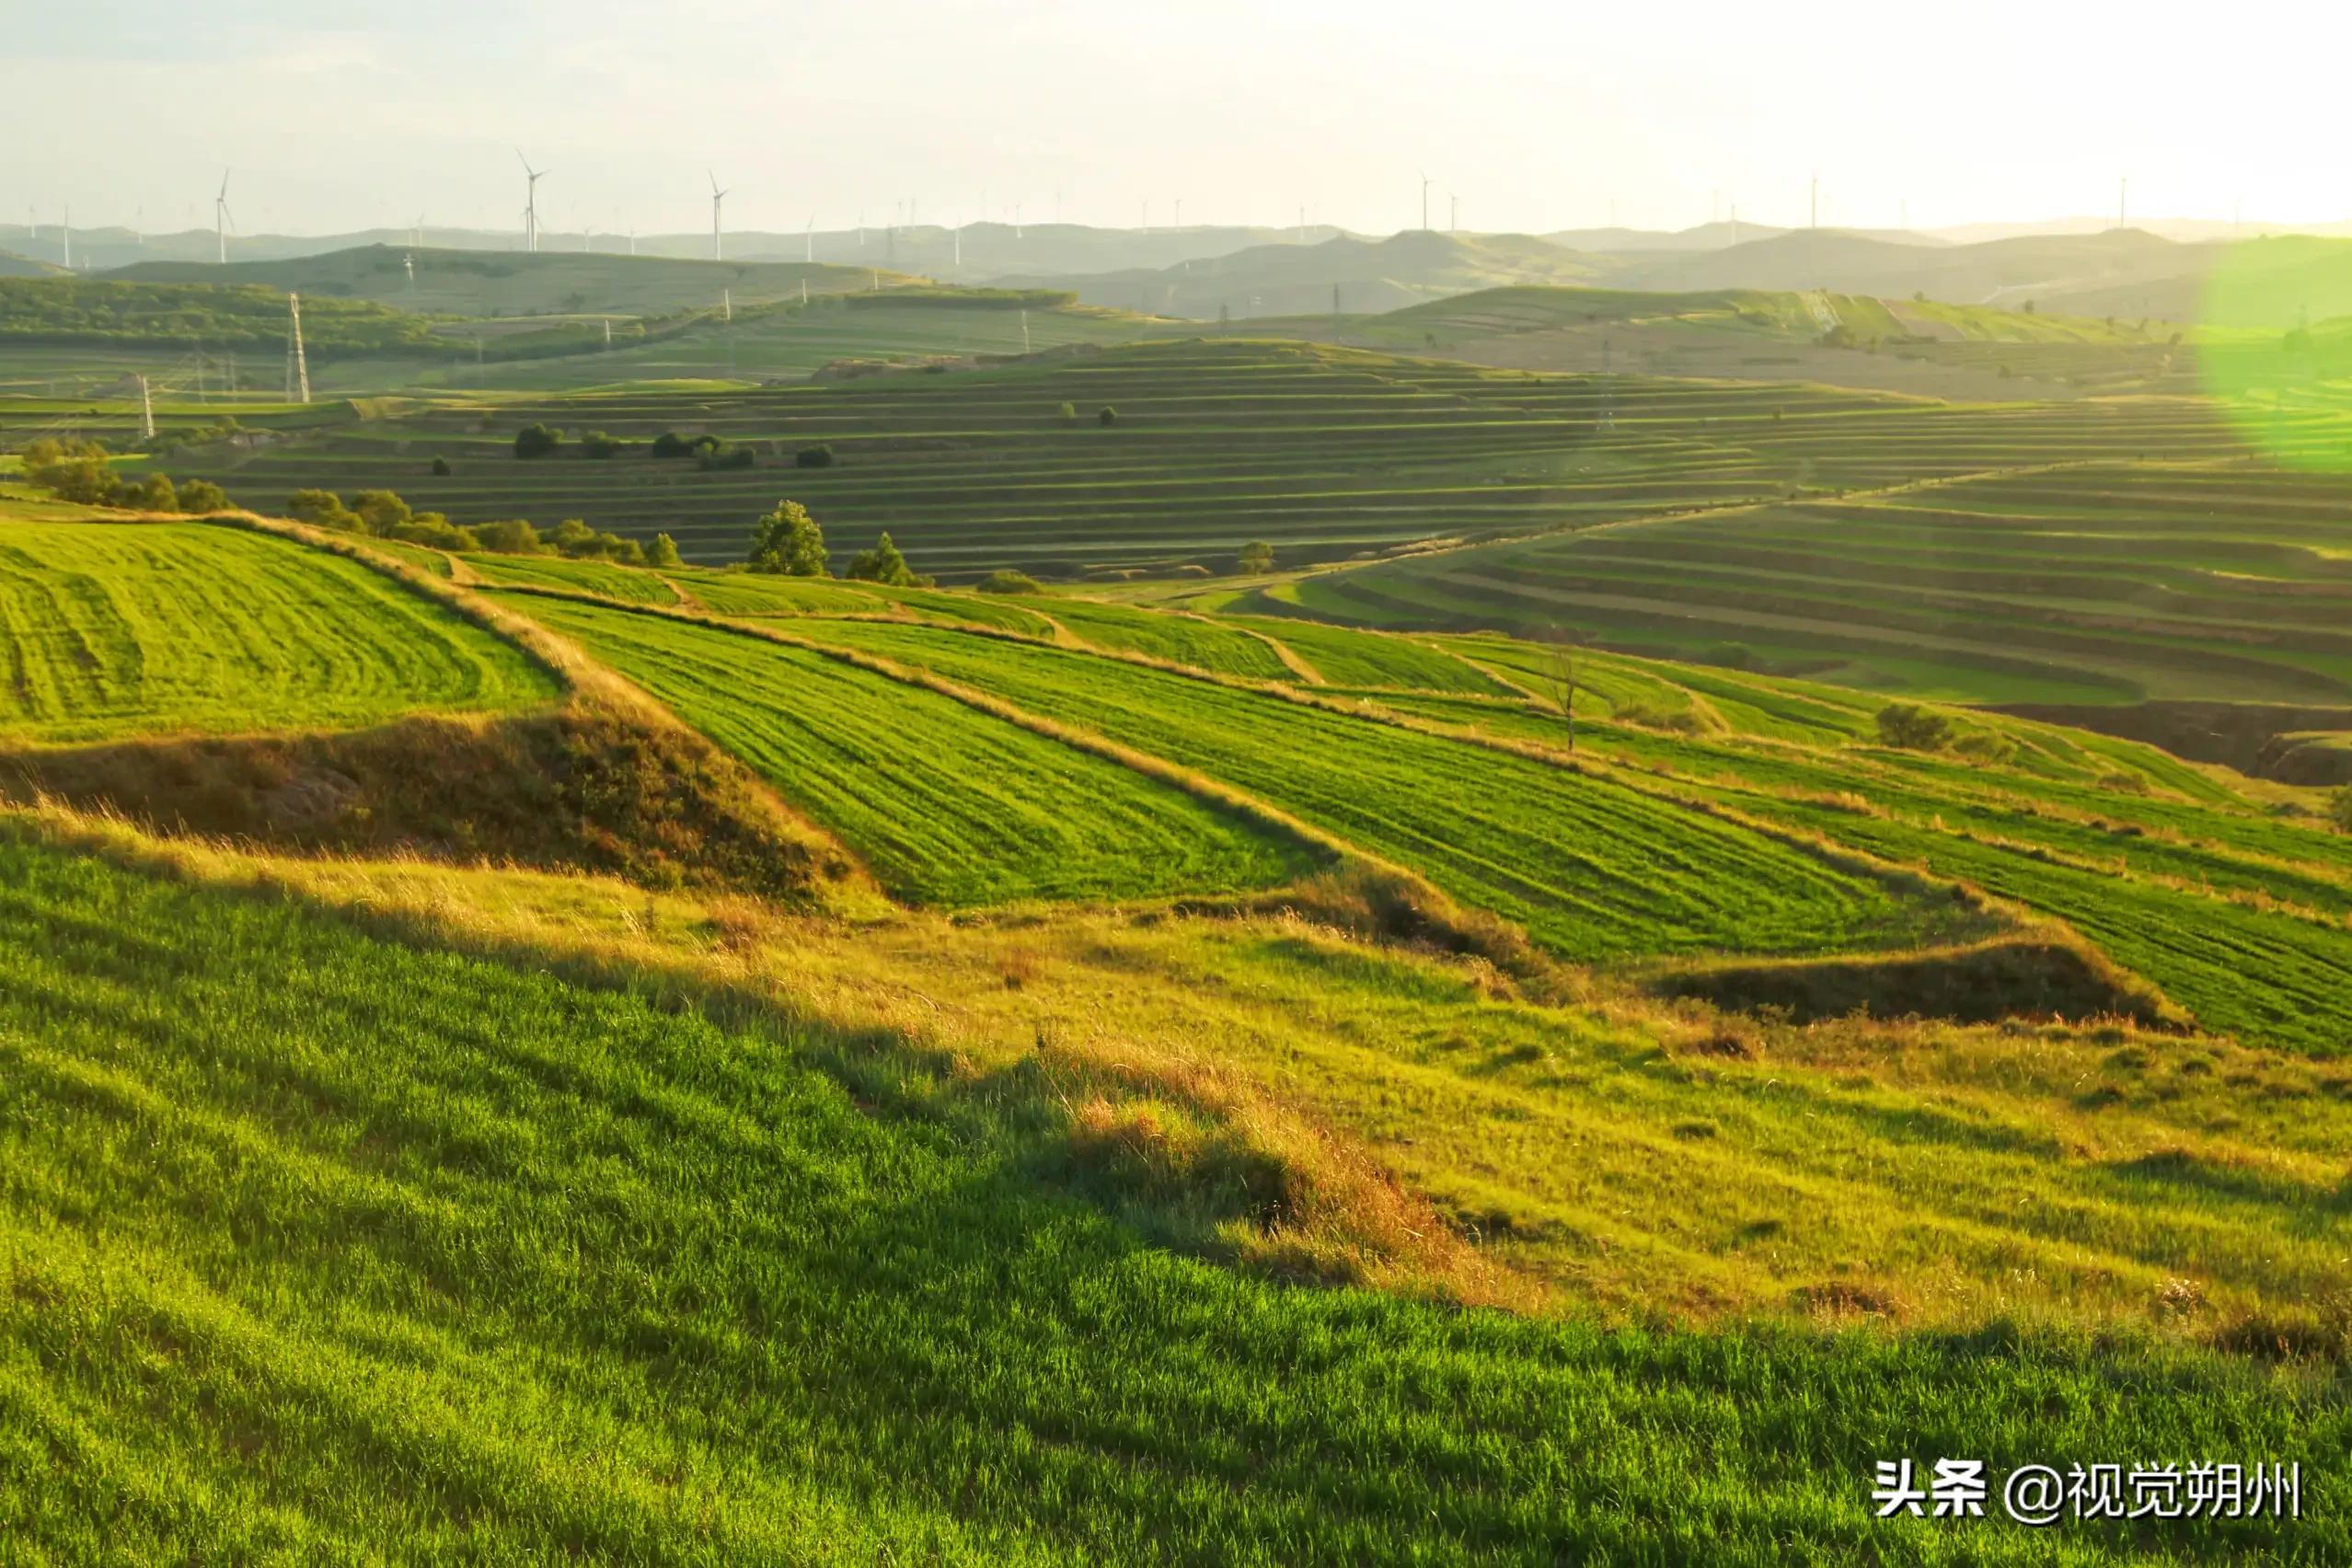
817,456
1913,728
1255,557
536,439
789,542
662,552
1109,416
1559,675
884,565
2339,809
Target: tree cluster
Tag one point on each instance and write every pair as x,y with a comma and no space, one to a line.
788,542
79,471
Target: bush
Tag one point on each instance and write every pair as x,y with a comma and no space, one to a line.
509,535
576,539
670,443
2339,809
1009,583
884,565
85,480
441,467
1109,416
1256,555
596,444
201,498
322,509
433,531
150,492
1069,414
662,552
721,458
1913,728
380,511
1985,746
537,441
789,542
817,456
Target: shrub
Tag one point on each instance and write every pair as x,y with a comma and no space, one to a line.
597,443
380,511
200,498
1069,414
1009,583
670,443
664,552
1256,555
537,441
433,531
576,539
787,541
817,456
2339,809
1109,416
1985,746
884,565
509,535
441,467
150,492
721,457
1913,728
323,509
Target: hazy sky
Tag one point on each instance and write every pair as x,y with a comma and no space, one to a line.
1540,116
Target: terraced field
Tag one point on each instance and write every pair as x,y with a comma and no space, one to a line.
1590,869
945,804
120,629
2106,583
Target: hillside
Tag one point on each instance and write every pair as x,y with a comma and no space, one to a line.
15,266
490,283
1298,280
1143,997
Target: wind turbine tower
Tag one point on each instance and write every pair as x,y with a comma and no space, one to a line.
530,200
65,236
717,196
1424,198
1453,213
808,240
220,219
2123,203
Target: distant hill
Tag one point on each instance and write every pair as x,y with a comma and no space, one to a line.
1708,237
15,266
487,283
1369,275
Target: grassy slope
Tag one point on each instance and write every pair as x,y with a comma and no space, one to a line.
946,804
319,1246
1589,869
119,628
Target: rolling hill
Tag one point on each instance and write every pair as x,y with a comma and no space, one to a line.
1186,1056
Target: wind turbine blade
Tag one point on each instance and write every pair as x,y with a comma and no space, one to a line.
230,216
524,162
224,174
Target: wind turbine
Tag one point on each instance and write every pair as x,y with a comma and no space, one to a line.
531,201
808,240
717,196
1424,198
221,221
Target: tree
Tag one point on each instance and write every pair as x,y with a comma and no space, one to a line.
509,535
719,456
662,552
789,542
597,443
817,456
2339,809
884,565
1913,728
670,443
150,492
86,480
323,509
380,511
1069,414
537,441
1107,417
1559,675
1256,555
201,498
441,467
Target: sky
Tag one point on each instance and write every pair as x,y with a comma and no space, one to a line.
1535,117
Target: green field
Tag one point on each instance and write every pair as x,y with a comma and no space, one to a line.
945,804
319,1245
2114,583
117,630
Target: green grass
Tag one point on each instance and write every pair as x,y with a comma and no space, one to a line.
1345,657
320,1246
1590,869
2094,584
947,805
117,629
583,576
1180,639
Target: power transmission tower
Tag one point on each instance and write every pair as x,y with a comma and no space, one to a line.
297,364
